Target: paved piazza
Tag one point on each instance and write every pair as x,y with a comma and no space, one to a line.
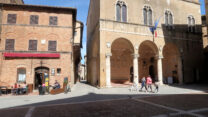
87,101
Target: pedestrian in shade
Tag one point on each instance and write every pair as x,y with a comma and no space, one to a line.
149,83
143,85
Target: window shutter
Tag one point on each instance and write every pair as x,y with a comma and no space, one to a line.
52,46
33,45
53,20
9,44
11,18
34,19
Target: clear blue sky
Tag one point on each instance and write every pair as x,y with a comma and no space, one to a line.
82,8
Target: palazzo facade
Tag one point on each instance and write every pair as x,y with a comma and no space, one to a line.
122,48
38,44
205,38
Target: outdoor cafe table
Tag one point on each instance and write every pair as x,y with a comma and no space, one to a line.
3,88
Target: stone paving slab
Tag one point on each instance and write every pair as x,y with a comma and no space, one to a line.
131,107
184,102
20,112
117,108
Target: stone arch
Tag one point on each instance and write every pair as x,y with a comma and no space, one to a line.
171,63
148,55
52,36
121,61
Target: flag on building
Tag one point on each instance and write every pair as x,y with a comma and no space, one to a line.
153,29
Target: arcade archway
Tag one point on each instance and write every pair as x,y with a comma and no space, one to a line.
122,61
148,53
171,63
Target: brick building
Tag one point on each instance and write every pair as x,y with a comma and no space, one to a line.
121,48
36,44
12,1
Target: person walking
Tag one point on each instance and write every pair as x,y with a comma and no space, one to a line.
149,83
143,85
156,87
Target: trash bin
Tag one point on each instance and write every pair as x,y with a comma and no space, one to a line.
40,89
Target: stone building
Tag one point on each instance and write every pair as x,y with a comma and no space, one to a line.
123,47
36,44
205,38
12,1
77,48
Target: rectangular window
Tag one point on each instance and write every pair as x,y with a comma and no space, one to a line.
34,19
9,44
53,20
11,18
21,75
58,70
52,46
33,45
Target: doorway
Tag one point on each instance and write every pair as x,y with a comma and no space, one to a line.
41,76
151,72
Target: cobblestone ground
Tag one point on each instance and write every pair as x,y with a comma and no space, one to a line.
87,101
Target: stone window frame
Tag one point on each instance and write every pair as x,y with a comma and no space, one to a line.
34,19
10,44
25,71
191,24
121,3
169,25
33,48
11,18
53,20
147,8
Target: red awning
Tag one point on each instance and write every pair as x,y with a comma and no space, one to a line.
35,55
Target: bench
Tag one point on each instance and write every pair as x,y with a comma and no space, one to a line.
56,91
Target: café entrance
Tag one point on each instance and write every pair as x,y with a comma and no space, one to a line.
41,76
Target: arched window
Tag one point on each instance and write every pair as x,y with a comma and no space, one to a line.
191,24
121,11
21,75
118,12
124,13
150,17
147,14
168,18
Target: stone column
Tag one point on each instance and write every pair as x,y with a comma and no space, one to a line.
180,70
159,69
108,70
136,69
